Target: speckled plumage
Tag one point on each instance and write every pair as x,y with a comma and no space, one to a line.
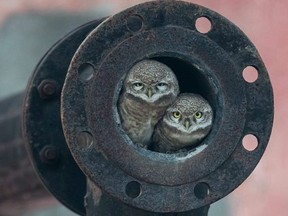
172,134
142,105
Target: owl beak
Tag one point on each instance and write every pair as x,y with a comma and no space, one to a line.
187,123
149,93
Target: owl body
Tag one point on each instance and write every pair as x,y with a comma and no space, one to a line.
186,122
139,119
149,88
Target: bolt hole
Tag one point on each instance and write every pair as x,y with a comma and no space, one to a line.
201,190
133,189
86,72
85,139
250,74
134,23
203,25
250,142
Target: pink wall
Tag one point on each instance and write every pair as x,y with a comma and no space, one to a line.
266,23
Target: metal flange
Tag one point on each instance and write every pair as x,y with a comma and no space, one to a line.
210,64
42,127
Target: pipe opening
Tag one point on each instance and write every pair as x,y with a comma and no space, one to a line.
192,78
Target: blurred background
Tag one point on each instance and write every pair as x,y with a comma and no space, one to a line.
28,28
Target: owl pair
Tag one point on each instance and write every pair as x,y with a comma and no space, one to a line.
153,113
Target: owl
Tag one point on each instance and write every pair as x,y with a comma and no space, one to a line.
186,122
148,89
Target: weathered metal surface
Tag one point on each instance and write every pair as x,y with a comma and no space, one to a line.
210,64
98,204
43,134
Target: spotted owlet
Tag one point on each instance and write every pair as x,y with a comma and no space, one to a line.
148,89
186,122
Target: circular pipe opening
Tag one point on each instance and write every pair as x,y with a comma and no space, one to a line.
192,78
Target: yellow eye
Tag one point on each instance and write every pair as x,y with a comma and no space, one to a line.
198,115
176,114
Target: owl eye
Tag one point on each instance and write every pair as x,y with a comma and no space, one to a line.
162,86
138,86
176,114
198,115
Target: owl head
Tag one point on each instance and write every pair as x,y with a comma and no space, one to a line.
188,120
152,82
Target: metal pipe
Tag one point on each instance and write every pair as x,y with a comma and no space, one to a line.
65,103
19,184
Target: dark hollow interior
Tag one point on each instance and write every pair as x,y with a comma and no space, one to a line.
190,78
